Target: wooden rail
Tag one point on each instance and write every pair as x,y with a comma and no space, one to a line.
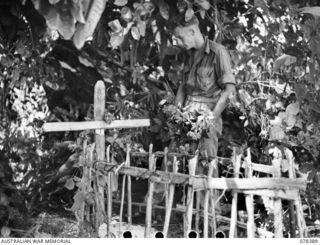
273,187
222,160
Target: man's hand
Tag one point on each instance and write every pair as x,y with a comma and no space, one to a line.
223,100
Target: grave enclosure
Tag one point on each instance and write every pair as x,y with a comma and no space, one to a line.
99,175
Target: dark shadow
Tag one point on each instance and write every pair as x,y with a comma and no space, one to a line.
193,234
127,234
220,234
159,234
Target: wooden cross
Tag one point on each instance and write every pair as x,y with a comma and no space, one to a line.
98,123
99,126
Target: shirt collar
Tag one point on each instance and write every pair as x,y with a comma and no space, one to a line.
206,46
204,49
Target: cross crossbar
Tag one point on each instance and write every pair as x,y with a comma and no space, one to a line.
78,126
98,123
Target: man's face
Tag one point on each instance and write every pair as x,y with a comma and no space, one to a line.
185,37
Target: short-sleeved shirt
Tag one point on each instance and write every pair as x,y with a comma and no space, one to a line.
207,71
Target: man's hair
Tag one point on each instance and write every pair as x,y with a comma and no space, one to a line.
179,21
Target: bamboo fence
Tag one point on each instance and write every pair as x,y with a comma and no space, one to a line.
100,173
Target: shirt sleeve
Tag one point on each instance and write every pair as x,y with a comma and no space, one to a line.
224,69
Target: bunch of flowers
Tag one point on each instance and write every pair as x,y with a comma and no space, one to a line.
187,124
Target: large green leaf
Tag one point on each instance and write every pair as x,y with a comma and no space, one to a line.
261,4
140,8
116,41
189,14
142,28
284,60
135,33
164,9
69,184
202,13
65,25
126,14
245,97
120,2
54,1
276,133
293,109
115,25
291,114
79,11
149,6
204,4
84,31
311,10
60,16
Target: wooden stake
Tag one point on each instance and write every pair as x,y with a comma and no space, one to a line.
296,204
123,187
110,184
214,194
129,187
301,222
89,159
109,215
192,163
278,216
108,154
184,187
236,160
197,220
184,191
99,110
249,198
83,210
206,205
170,200
150,195
114,176
292,218
91,181
165,165
98,211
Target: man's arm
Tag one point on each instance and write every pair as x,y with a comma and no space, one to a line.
226,80
223,100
